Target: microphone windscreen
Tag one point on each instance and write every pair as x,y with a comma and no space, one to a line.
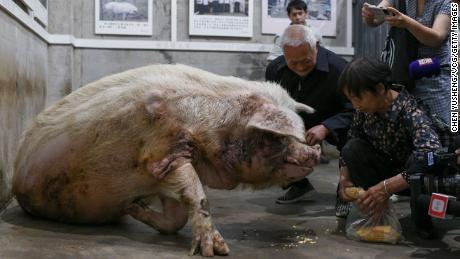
426,67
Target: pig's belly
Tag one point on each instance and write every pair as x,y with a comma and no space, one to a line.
72,201
58,183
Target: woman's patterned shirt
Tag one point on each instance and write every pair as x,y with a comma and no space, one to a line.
398,133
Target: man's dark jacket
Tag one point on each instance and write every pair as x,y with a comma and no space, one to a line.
319,90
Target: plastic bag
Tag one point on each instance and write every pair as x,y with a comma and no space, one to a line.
385,229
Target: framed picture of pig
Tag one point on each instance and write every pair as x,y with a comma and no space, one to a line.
227,18
123,17
322,15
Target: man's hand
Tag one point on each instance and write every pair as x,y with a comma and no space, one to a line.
316,134
374,200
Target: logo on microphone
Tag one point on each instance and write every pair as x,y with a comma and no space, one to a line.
425,61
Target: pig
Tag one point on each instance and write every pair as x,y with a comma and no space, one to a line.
160,131
121,9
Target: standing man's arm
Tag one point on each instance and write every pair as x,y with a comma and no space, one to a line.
276,50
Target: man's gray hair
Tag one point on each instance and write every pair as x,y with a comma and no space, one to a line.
296,34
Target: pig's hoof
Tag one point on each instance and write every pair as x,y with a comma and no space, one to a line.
209,243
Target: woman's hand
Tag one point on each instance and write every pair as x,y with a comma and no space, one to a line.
344,182
368,16
398,19
374,200
343,195
432,37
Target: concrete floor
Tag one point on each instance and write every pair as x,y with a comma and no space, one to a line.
253,225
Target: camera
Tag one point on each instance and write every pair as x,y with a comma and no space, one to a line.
442,174
439,173
449,185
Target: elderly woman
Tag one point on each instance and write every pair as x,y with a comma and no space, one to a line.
387,131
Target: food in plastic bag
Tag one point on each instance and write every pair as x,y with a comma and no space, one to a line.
378,234
385,229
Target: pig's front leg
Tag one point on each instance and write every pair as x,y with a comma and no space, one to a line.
205,236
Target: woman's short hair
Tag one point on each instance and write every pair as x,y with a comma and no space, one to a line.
364,74
297,34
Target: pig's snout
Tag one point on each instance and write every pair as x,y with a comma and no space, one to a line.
299,161
294,173
303,155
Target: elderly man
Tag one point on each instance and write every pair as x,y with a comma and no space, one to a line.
310,74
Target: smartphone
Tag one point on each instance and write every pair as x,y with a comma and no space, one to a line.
379,12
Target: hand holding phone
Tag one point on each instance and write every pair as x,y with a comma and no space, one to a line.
378,13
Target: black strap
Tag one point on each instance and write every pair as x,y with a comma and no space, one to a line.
401,4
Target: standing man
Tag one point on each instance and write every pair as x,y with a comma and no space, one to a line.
310,74
297,13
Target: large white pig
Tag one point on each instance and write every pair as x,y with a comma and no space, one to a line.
121,9
108,148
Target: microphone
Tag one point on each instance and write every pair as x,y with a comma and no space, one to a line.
426,67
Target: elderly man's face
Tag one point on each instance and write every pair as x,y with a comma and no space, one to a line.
300,59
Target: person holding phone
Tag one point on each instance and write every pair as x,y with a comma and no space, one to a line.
429,22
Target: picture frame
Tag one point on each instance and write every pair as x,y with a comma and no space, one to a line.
227,18
322,15
124,17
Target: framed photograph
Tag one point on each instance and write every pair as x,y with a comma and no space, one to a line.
322,15
123,17
228,18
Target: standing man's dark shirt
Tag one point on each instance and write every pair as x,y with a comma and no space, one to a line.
318,90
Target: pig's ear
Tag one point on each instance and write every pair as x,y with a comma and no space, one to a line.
300,107
277,120
154,104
